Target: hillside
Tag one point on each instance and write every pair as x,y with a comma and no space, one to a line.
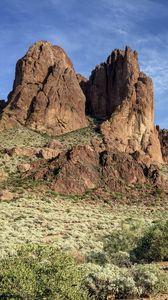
82,170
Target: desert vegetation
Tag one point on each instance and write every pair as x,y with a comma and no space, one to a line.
83,182
37,271
55,246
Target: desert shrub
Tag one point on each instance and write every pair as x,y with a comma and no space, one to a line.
153,246
110,281
40,272
123,240
120,259
99,258
121,283
150,279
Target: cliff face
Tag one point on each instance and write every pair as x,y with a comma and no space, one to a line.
111,82
46,94
123,96
163,136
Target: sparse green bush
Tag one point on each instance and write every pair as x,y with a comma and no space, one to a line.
120,259
150,279
153,246
123,239
111,281
99,258
40,272
121,283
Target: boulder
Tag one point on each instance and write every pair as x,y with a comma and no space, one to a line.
46,95
5,195
23,168
122,96
21,151
49,153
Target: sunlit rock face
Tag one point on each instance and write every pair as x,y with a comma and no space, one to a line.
120,94
46,95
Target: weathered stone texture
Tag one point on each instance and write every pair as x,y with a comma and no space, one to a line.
46,94
163,136
123,96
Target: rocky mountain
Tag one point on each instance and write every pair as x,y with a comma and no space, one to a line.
49,97
122,96
46,95
89,206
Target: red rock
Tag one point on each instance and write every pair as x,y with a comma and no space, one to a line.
79,172
121,166
83,82
46,94
119,92
85,168
163,136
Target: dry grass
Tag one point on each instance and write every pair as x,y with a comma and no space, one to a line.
74,225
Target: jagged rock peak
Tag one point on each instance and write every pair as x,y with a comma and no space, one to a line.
33,67
46,95
110,81
121,94
124,53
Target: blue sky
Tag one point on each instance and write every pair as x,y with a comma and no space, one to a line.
89,30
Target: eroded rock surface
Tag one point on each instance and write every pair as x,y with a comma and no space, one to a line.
163,136
83,168
123,96
46,94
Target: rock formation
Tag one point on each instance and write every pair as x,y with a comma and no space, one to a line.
49,97
2,105
46,94
123,96
82,168
163,136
